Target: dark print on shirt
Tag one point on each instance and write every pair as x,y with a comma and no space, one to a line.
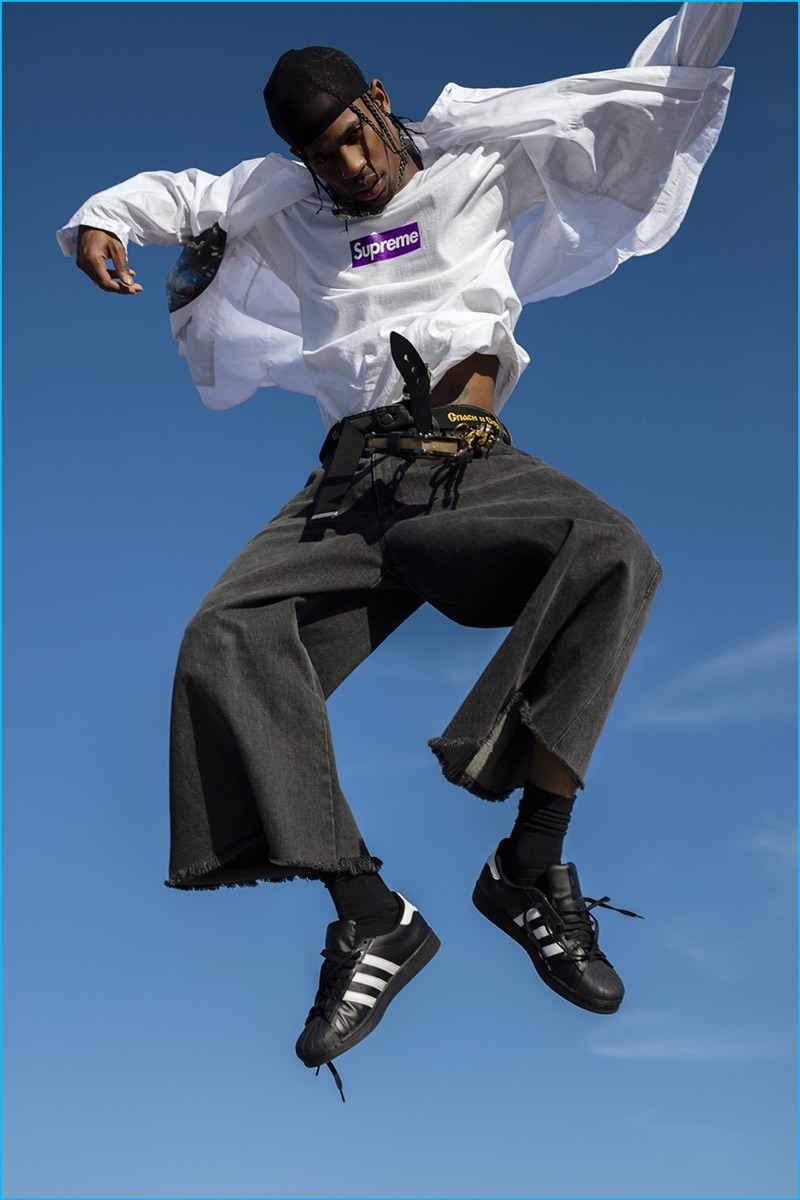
377,246
199,262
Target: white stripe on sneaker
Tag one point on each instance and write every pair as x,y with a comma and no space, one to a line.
370,980
532,914
540,932
383,964
360,998
408,910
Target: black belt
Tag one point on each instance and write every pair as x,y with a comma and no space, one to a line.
457,433
346,442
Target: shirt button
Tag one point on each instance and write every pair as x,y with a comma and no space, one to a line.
386,418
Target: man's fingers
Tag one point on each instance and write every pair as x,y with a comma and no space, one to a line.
126,285
123,271
122,277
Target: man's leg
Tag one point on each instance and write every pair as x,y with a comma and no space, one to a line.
518,543
549,773
507,540
255,793
254,787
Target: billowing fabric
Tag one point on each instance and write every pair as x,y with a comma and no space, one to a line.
553,185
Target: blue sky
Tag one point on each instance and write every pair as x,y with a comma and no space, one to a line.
149,1034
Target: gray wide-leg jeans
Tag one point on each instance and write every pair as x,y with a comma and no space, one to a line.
501,540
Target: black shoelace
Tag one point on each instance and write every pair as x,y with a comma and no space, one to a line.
337,1077
336,971
333,981
584,928
603,903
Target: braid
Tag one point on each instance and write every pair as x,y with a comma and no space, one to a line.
402,135
381,128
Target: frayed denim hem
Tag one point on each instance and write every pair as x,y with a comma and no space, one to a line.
443,748
495,781
224,866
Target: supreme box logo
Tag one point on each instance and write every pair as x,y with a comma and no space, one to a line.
377,246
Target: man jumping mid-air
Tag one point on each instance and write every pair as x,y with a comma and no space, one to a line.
382,269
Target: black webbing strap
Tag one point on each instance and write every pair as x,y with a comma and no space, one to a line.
417,380
339,475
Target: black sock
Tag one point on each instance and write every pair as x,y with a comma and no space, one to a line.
364,899
537,839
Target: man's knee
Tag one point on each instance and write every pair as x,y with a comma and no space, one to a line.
214,636
633,553
218,634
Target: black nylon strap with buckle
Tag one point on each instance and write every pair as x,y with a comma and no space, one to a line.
340,470
468,434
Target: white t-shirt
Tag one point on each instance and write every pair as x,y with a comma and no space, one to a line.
434,266
525,193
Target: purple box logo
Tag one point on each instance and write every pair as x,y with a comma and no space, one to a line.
377,246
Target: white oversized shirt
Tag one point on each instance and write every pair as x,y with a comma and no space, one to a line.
526,193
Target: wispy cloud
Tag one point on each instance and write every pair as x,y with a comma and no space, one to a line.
772,852
653,1121
767,858
659,1036
460,656
750,681
717,959
776,847
709,1047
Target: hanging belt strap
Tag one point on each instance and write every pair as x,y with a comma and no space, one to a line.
350,445
417,381
340,472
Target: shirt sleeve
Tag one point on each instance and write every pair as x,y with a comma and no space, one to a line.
159,207
600,167
230,352
697,36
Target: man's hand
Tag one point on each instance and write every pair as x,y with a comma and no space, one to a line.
95,247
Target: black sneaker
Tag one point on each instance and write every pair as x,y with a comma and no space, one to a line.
554,926
359,978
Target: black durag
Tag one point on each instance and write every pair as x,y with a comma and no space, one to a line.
308,90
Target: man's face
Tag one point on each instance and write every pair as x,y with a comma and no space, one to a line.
352,159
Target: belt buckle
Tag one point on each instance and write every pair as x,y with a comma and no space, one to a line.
451,439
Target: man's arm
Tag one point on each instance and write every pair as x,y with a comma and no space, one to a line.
155,207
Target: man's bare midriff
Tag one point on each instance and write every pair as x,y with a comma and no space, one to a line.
469,382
